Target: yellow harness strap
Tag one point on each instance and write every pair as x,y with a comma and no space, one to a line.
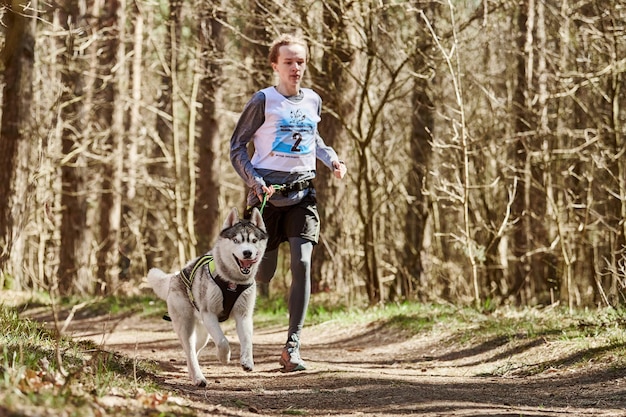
188,276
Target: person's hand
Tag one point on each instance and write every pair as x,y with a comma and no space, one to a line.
267,191
340,169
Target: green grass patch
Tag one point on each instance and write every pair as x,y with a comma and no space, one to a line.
144,305
47,374
585,336
270,312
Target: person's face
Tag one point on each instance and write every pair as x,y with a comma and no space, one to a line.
290,65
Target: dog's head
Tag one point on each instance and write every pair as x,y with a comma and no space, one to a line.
241,245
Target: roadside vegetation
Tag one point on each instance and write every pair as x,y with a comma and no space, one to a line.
43,372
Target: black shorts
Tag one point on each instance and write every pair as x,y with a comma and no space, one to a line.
299,220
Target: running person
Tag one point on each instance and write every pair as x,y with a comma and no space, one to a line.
281,121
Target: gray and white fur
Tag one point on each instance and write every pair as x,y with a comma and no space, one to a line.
195,318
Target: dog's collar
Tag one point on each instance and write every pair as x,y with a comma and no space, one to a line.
228,285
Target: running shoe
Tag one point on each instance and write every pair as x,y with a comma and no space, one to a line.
290,358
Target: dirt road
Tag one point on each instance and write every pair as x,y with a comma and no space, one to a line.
371,371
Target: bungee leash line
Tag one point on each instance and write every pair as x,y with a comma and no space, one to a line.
276,187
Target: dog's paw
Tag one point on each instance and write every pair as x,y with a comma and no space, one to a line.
223,351
246,360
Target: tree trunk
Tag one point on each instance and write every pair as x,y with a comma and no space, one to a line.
164,129
256,46
420,150
257,49
207,210
132,251
617,90
521,264
366,209
418,209
110,85
180,220
338,91
17,60
75,243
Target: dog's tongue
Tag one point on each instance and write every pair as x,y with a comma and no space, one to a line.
246,263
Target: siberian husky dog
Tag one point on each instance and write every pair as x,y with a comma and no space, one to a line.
214,287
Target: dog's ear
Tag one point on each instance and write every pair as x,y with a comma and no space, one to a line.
257,219
232,219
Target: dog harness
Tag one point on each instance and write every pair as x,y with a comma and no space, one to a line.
230,290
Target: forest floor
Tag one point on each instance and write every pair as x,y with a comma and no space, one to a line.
371,370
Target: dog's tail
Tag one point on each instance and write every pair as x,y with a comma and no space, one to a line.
159,281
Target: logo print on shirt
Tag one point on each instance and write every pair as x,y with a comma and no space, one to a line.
295,134
297,116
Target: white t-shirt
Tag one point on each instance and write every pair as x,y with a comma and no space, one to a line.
287,139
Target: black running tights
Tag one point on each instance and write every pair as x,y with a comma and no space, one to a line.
301,251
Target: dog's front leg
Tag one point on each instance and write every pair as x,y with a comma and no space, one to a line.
192,360
244,332
221,343
185,329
